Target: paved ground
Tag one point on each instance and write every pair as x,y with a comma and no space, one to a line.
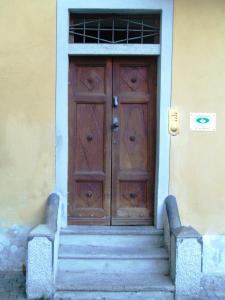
213,287
12,286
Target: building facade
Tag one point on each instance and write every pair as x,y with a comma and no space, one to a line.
188,70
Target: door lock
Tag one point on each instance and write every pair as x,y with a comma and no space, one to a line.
115,124
115,101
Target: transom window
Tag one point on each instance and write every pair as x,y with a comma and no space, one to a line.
114,29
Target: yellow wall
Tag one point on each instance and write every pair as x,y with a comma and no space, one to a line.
27,95
198,159
27,109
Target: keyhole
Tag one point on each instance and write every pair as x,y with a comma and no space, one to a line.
133,80
89,138
132,138
133,195
89,194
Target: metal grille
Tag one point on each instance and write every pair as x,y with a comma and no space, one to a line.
114,29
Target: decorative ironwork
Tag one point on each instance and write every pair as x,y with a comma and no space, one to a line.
116,29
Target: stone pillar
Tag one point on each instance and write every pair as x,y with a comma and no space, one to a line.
39,281
186,260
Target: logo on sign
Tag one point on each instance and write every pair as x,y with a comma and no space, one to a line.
202,120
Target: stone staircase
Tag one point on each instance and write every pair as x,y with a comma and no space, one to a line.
113,263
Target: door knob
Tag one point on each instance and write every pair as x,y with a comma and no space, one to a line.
115,101
115,124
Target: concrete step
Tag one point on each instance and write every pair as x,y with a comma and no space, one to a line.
107,230
152,295
112,282
108,265
113,263
143,236
115,252
105,259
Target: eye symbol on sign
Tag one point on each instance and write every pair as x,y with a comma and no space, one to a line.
202,120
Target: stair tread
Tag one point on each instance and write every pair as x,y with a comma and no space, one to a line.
117,252
73,281
143,295
111,230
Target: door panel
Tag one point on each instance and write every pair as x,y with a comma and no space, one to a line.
90,134
133,136
90,111
133,144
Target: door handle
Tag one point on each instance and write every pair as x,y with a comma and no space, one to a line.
115,101
115,124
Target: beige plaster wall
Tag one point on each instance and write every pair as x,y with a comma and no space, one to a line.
27,95
197,175
27,109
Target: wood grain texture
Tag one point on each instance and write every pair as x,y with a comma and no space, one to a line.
133,147
90,109
112,186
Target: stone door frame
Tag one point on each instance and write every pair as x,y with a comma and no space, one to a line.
164,54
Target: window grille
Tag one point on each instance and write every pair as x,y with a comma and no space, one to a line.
114,29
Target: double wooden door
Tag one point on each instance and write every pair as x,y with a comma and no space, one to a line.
112,129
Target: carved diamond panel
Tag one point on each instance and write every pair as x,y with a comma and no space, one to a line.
91,80
89,151
133,136
133,79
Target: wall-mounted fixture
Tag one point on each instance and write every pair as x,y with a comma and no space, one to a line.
174,122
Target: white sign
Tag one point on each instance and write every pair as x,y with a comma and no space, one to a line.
203,121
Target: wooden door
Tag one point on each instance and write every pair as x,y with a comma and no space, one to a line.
115,186
133,145
90,114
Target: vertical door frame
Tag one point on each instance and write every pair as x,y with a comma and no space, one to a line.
164,53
